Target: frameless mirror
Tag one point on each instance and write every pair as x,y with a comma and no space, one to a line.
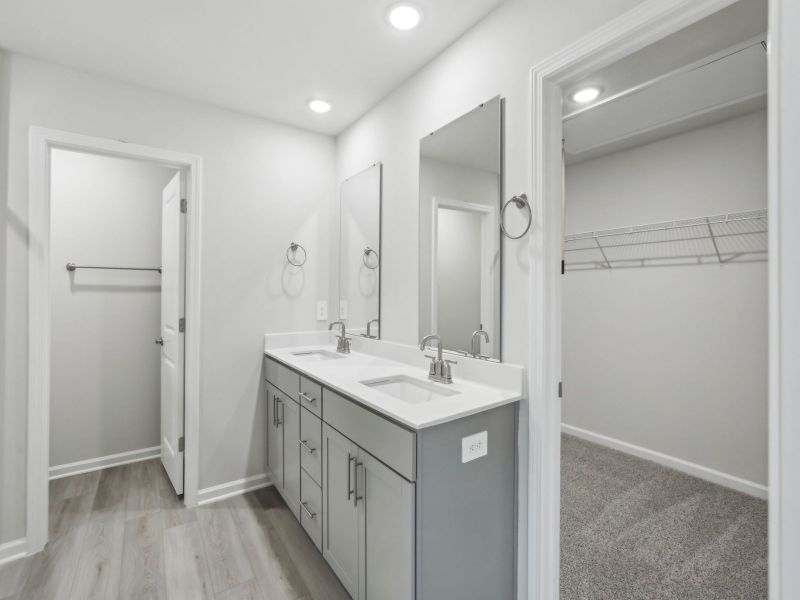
460,196
360,252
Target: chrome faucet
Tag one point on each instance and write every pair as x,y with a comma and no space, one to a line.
476,340
440,368
369,326
343,345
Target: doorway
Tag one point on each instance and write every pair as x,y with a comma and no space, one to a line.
551,80
164,291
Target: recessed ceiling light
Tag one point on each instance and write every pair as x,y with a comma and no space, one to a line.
404,16
319,106
585,95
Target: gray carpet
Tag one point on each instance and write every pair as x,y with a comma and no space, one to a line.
631,529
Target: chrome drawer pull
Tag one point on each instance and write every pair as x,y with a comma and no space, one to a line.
307,447
350,491
311,515
356,497
307,398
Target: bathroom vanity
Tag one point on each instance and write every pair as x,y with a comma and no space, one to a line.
406,486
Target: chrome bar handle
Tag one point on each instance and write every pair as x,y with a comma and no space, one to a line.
308,448
279,420
304,506
274,410
308,398
356,496
349,489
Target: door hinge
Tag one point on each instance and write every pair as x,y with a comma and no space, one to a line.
181,325
181,444
184,205
560,389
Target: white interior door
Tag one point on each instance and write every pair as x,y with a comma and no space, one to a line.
172,336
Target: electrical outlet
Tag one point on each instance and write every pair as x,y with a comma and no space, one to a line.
474,446
322,310
342,309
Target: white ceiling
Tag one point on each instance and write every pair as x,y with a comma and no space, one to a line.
738,22
261,57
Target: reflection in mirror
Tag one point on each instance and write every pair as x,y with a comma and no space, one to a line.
359,252
460,193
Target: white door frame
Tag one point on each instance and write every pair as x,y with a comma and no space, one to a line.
639,27
489,238
41,141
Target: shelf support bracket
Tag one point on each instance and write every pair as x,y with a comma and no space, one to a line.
602,251
713,240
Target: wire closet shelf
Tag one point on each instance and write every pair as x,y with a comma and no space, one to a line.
732,237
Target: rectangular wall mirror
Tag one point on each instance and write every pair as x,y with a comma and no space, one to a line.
461,180
360,252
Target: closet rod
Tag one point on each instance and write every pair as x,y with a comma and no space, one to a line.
73,266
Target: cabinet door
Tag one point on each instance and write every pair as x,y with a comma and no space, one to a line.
340,513
274,436
386,531
290,412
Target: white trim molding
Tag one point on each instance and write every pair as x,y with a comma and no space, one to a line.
648,22
784,285
40,143
237,487
104,462
733,482
13,550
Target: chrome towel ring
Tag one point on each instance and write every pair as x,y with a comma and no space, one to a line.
365,258
520,202
293,247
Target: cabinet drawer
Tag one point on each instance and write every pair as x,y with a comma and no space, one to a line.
282,377
311,508
311,395
385,440
311,444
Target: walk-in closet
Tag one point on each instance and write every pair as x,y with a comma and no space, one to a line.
664,414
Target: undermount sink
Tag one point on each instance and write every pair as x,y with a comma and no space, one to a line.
409,389
318,354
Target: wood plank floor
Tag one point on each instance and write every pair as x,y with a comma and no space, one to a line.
122,533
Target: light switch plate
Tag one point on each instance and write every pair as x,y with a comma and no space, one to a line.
342,309
322,310
474,446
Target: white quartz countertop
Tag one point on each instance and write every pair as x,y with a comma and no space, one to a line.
346,374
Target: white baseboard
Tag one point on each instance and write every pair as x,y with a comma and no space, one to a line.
232,488
13,550
104,462
684,466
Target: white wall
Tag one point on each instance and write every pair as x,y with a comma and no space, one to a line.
451,182
105,367
264,184
785,318
495,57
672,358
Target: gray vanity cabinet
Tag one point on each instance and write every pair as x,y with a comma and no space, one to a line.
340,523
399,514
274,435
369,522
386,531
283,450
290,413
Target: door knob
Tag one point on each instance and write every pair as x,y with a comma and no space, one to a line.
160,341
